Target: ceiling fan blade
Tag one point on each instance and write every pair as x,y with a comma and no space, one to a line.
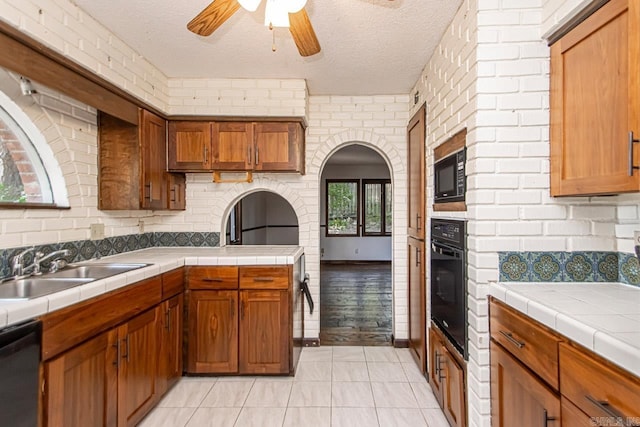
214,15
303,34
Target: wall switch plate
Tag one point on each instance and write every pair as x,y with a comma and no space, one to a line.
97,231
636,238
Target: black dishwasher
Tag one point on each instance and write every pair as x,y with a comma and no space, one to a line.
19,364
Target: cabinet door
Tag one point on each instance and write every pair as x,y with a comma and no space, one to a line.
177,189
81,385
153,183
189,146
436,365
417,308
572,416
138,348
170,361
454,396
213,332
595,103
279,147
518,397
232,146
264,332
416,178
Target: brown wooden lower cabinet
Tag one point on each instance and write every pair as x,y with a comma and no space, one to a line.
213,332
518,397
264,331
417,303
170,360
138,355
240,320
114,376
447,378
81,385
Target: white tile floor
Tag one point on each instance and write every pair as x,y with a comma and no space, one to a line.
334,386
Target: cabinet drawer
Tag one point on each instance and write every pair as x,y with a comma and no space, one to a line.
172,283
261,277
212,278
528,341
599,389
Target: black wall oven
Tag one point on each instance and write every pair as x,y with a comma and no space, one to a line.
449,280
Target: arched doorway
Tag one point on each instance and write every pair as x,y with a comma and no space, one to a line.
262,218
356,291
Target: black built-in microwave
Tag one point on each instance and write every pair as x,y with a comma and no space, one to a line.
450,180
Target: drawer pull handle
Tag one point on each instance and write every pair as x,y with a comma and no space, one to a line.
604,406
547,418
212,279
511,339
263,279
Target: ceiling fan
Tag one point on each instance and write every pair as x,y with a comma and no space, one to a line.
278,13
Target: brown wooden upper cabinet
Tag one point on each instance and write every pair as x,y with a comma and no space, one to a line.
236,146
189,146
132,165
595,104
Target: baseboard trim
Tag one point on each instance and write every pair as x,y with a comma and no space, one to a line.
354,262
400,343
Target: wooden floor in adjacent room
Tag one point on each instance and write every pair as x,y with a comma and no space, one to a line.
355,301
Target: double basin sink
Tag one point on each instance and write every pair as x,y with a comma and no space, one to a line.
69,277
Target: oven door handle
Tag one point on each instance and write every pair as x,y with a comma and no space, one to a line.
445,251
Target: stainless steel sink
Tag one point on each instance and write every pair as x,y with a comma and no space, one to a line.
95,271
34,287
72,275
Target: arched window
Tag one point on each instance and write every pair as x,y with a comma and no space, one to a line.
29,173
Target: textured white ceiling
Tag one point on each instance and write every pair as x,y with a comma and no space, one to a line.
369,47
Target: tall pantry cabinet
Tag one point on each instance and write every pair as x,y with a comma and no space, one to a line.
416,235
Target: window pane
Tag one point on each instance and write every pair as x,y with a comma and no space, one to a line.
373,208
22,174
342,208
388,209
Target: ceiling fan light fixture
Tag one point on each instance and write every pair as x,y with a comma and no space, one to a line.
250,5
295,6
276,14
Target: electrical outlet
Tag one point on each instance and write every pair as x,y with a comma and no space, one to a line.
357,251
97,231
140,226
636,238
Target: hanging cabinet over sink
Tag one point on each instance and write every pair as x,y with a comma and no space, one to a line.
273,145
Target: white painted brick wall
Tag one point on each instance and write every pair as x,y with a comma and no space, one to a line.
238,97
65,28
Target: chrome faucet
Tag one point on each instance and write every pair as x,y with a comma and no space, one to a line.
17,262
39,258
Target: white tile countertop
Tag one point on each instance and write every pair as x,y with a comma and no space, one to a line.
603,317
161,260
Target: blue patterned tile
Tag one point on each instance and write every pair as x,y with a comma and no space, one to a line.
579,267
166,239
88,250
607,267
181,239
513,267
144,240
197,239
212,239
547,266
629,269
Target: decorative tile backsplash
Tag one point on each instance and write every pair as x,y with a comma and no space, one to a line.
82,250
569,267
